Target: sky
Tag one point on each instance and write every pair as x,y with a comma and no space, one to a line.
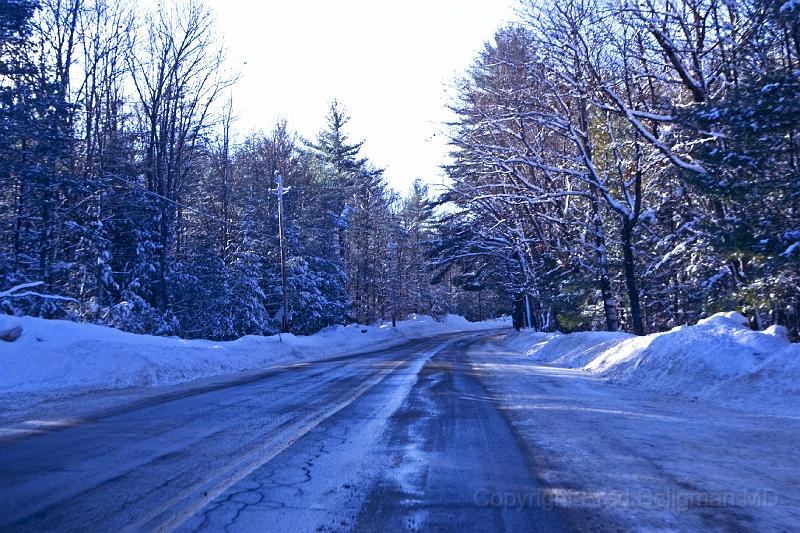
389,63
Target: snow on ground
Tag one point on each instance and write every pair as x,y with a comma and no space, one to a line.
619,458
58,371
691,429
58,354
719,359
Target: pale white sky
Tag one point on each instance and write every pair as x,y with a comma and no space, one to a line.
388,62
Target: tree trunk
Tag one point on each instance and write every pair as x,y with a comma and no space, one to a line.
163,298
630,280
609,305
528,313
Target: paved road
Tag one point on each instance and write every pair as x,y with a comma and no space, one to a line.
400,439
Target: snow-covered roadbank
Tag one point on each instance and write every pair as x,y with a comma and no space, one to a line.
59,370
719,359
626,458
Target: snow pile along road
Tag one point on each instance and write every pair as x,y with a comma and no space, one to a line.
52,355
720,358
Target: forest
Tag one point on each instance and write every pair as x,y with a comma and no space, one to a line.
615,165
632,164
126,201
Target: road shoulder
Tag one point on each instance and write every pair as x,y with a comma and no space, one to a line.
619,458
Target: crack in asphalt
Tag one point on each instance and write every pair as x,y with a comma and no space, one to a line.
320,442
260,484
267,482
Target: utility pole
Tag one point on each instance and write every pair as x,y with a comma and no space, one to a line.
285,309
391,246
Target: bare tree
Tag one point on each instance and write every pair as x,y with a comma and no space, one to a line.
178,74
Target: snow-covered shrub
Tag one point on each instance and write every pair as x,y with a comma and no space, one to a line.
135,315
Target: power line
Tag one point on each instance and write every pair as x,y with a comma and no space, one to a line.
164,198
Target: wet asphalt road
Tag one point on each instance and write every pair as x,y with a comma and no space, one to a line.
398,439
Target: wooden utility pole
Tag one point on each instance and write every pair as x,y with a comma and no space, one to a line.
285,309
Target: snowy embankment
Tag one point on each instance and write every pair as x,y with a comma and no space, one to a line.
56,355
719,359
